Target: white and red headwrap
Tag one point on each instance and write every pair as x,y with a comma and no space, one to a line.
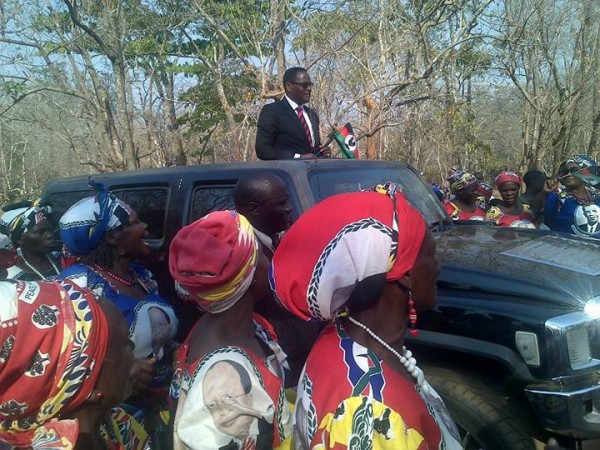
508,177
53,339
213,260
340,242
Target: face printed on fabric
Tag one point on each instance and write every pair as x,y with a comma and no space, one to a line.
228,399
273,212
591,213
39,239
424,274
509,192
299,90
161,327
130,237
114,381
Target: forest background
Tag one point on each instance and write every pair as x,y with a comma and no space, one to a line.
105,85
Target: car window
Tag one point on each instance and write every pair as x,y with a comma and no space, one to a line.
325,183
208,198
151,204
61,201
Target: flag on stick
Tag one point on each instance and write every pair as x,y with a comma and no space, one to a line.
589,175
344,137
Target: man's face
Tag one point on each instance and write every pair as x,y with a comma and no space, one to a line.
226,401
300,88
591,214
273,210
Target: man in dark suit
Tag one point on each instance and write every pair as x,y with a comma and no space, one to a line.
288,128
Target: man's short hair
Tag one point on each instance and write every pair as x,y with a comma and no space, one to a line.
534,177
290,74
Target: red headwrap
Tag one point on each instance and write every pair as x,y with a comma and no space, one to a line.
53,339
339,242
508,177
213,260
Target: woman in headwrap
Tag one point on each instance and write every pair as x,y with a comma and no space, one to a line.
510,212
107,236
576,209
367,261
464,205
26,225
65,359
227,392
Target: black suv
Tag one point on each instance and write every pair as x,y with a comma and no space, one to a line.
513,346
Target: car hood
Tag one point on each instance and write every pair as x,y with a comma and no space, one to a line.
521,263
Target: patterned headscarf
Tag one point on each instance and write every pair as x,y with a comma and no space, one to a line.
340,242
21,218
213,260
460,179
582,161
53,339
508,177
84,225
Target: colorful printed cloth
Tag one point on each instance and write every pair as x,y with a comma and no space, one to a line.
16,272
152,327
566,213
460,179
217,282
353,236
53,339
123,432
582,161
15,222
230,398
349,398
458,214
84,225
526,219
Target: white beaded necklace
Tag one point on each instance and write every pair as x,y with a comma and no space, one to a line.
37,272
406,358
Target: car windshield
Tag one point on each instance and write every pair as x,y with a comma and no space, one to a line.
325,183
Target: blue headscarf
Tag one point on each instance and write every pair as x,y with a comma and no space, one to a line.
84,225
582,161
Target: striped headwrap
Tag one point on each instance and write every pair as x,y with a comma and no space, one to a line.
213,260
84,225
21,218
53,339
340,242
582,161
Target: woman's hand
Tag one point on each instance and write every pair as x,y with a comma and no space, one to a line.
142,374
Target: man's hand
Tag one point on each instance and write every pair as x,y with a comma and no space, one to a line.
142,373
553,445
325,152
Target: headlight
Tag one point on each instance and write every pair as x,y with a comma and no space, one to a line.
527,344
578,344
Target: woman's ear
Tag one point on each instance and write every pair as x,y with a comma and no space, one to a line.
404,282
112,237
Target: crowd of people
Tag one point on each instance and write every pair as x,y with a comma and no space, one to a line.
299,342
568,202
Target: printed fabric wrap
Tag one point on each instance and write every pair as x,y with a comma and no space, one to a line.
460,179
14,223
84,225
231,398
508,177
340,242
53,339
213,260
582,161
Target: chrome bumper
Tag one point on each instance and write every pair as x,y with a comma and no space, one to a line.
575,413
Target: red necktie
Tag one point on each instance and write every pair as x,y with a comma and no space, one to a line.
300,111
